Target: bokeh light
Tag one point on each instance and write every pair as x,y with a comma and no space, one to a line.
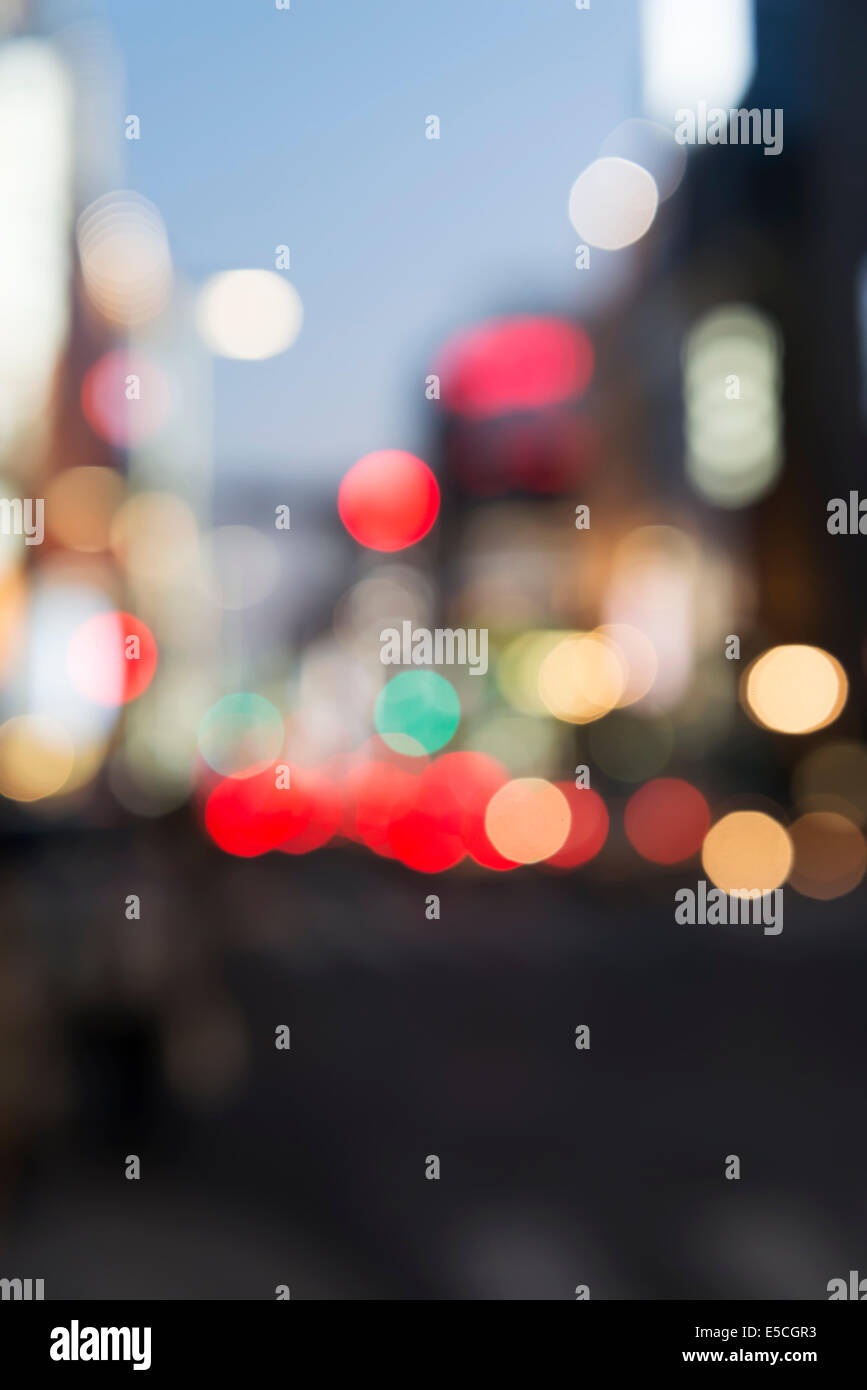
111,658
13,612
249,314
528,820
388,500
513,364
155,537
830,855
733,418
126,398
638,658
426,835
377,793
795,689
80,504
60,604
417,712
613,203
652,146
323,797
36,757
747,852
463,784
518,667
249,816
125,260
653,590
695,51
582,678
241,735
666,820
588,829
38,153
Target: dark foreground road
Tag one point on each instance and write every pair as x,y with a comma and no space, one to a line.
263,1167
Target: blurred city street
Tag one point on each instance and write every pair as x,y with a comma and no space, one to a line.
431,585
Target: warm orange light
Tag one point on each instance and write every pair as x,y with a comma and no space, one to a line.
79,506
747,852
36,757
582,678
527,820
830,855
795,689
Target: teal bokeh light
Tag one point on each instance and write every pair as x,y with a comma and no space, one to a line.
417,712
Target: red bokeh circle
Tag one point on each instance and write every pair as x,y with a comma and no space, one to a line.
388,500
252,815
666,820
325,811
105,665
461,785
588,830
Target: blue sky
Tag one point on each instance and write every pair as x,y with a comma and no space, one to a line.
306,127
